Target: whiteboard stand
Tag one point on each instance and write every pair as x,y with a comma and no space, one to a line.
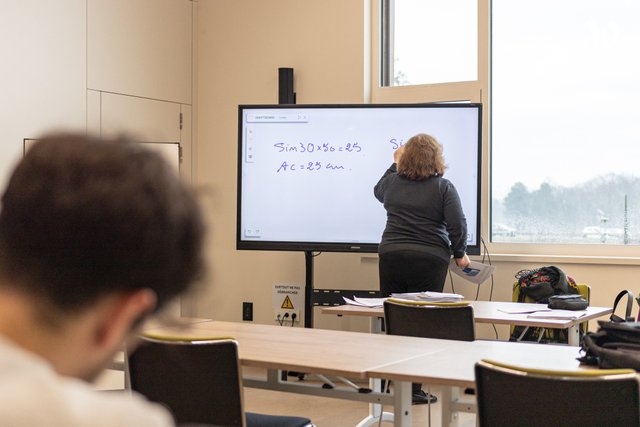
308,289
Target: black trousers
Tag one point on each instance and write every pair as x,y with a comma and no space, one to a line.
411,271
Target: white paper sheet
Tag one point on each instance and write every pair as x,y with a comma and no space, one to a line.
558,314
476,272
524,310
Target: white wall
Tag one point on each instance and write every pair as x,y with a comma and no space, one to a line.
140,48
105,66
43,78
67,63
139,71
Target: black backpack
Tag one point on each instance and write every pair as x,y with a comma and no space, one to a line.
616,344
544,282
539,285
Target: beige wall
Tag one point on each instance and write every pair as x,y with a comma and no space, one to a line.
240,45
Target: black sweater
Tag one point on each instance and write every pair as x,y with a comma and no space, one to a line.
422,215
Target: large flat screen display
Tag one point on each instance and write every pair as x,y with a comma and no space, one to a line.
306,172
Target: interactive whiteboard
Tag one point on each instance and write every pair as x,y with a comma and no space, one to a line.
306,172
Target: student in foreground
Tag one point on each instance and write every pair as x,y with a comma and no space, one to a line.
94,236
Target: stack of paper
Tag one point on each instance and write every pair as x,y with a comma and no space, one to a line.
429,296
365,302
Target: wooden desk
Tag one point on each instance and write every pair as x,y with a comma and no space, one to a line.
453,367
373,356
322,352
488,312
319,351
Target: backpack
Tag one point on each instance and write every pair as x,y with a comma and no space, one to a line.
538,285
615,345
541,283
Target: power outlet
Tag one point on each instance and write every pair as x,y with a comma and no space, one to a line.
285,316
247,311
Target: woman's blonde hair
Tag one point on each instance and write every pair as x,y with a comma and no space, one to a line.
422,158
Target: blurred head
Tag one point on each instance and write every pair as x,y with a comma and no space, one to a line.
422,157
83,218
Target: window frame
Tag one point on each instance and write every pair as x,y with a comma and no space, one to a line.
479,91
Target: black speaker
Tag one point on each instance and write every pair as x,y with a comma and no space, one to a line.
286,95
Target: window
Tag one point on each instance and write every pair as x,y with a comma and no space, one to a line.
429,41
565,122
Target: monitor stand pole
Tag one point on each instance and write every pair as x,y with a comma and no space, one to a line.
308,308
308,289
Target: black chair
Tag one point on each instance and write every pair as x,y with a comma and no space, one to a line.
199,382
429,321
444,322
513,396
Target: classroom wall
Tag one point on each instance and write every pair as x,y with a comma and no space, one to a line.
43,77
241,43
107,66
104,65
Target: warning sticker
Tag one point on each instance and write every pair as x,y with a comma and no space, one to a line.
287,304
287,297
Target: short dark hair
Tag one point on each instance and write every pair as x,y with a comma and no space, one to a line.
82,217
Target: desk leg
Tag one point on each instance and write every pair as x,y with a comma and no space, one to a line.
375,325
402,404
375,409
449,397
574,335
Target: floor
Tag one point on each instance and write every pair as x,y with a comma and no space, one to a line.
323,412
326,412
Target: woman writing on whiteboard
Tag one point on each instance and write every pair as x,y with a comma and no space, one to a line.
425,221
425,224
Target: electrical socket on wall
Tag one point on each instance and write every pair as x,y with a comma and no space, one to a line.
247,311
285,315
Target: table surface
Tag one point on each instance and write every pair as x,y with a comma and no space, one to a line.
356,354
454,364
308,350
486,312
365,355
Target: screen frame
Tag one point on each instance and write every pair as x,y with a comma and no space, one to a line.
270,245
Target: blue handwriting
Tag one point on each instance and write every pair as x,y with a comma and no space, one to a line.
395,144
308,166
310,147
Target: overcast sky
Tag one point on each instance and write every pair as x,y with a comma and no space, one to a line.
566,77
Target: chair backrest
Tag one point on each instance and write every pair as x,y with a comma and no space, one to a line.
452,323
199,382
510,397
585,291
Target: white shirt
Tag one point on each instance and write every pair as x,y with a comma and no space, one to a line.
33,394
